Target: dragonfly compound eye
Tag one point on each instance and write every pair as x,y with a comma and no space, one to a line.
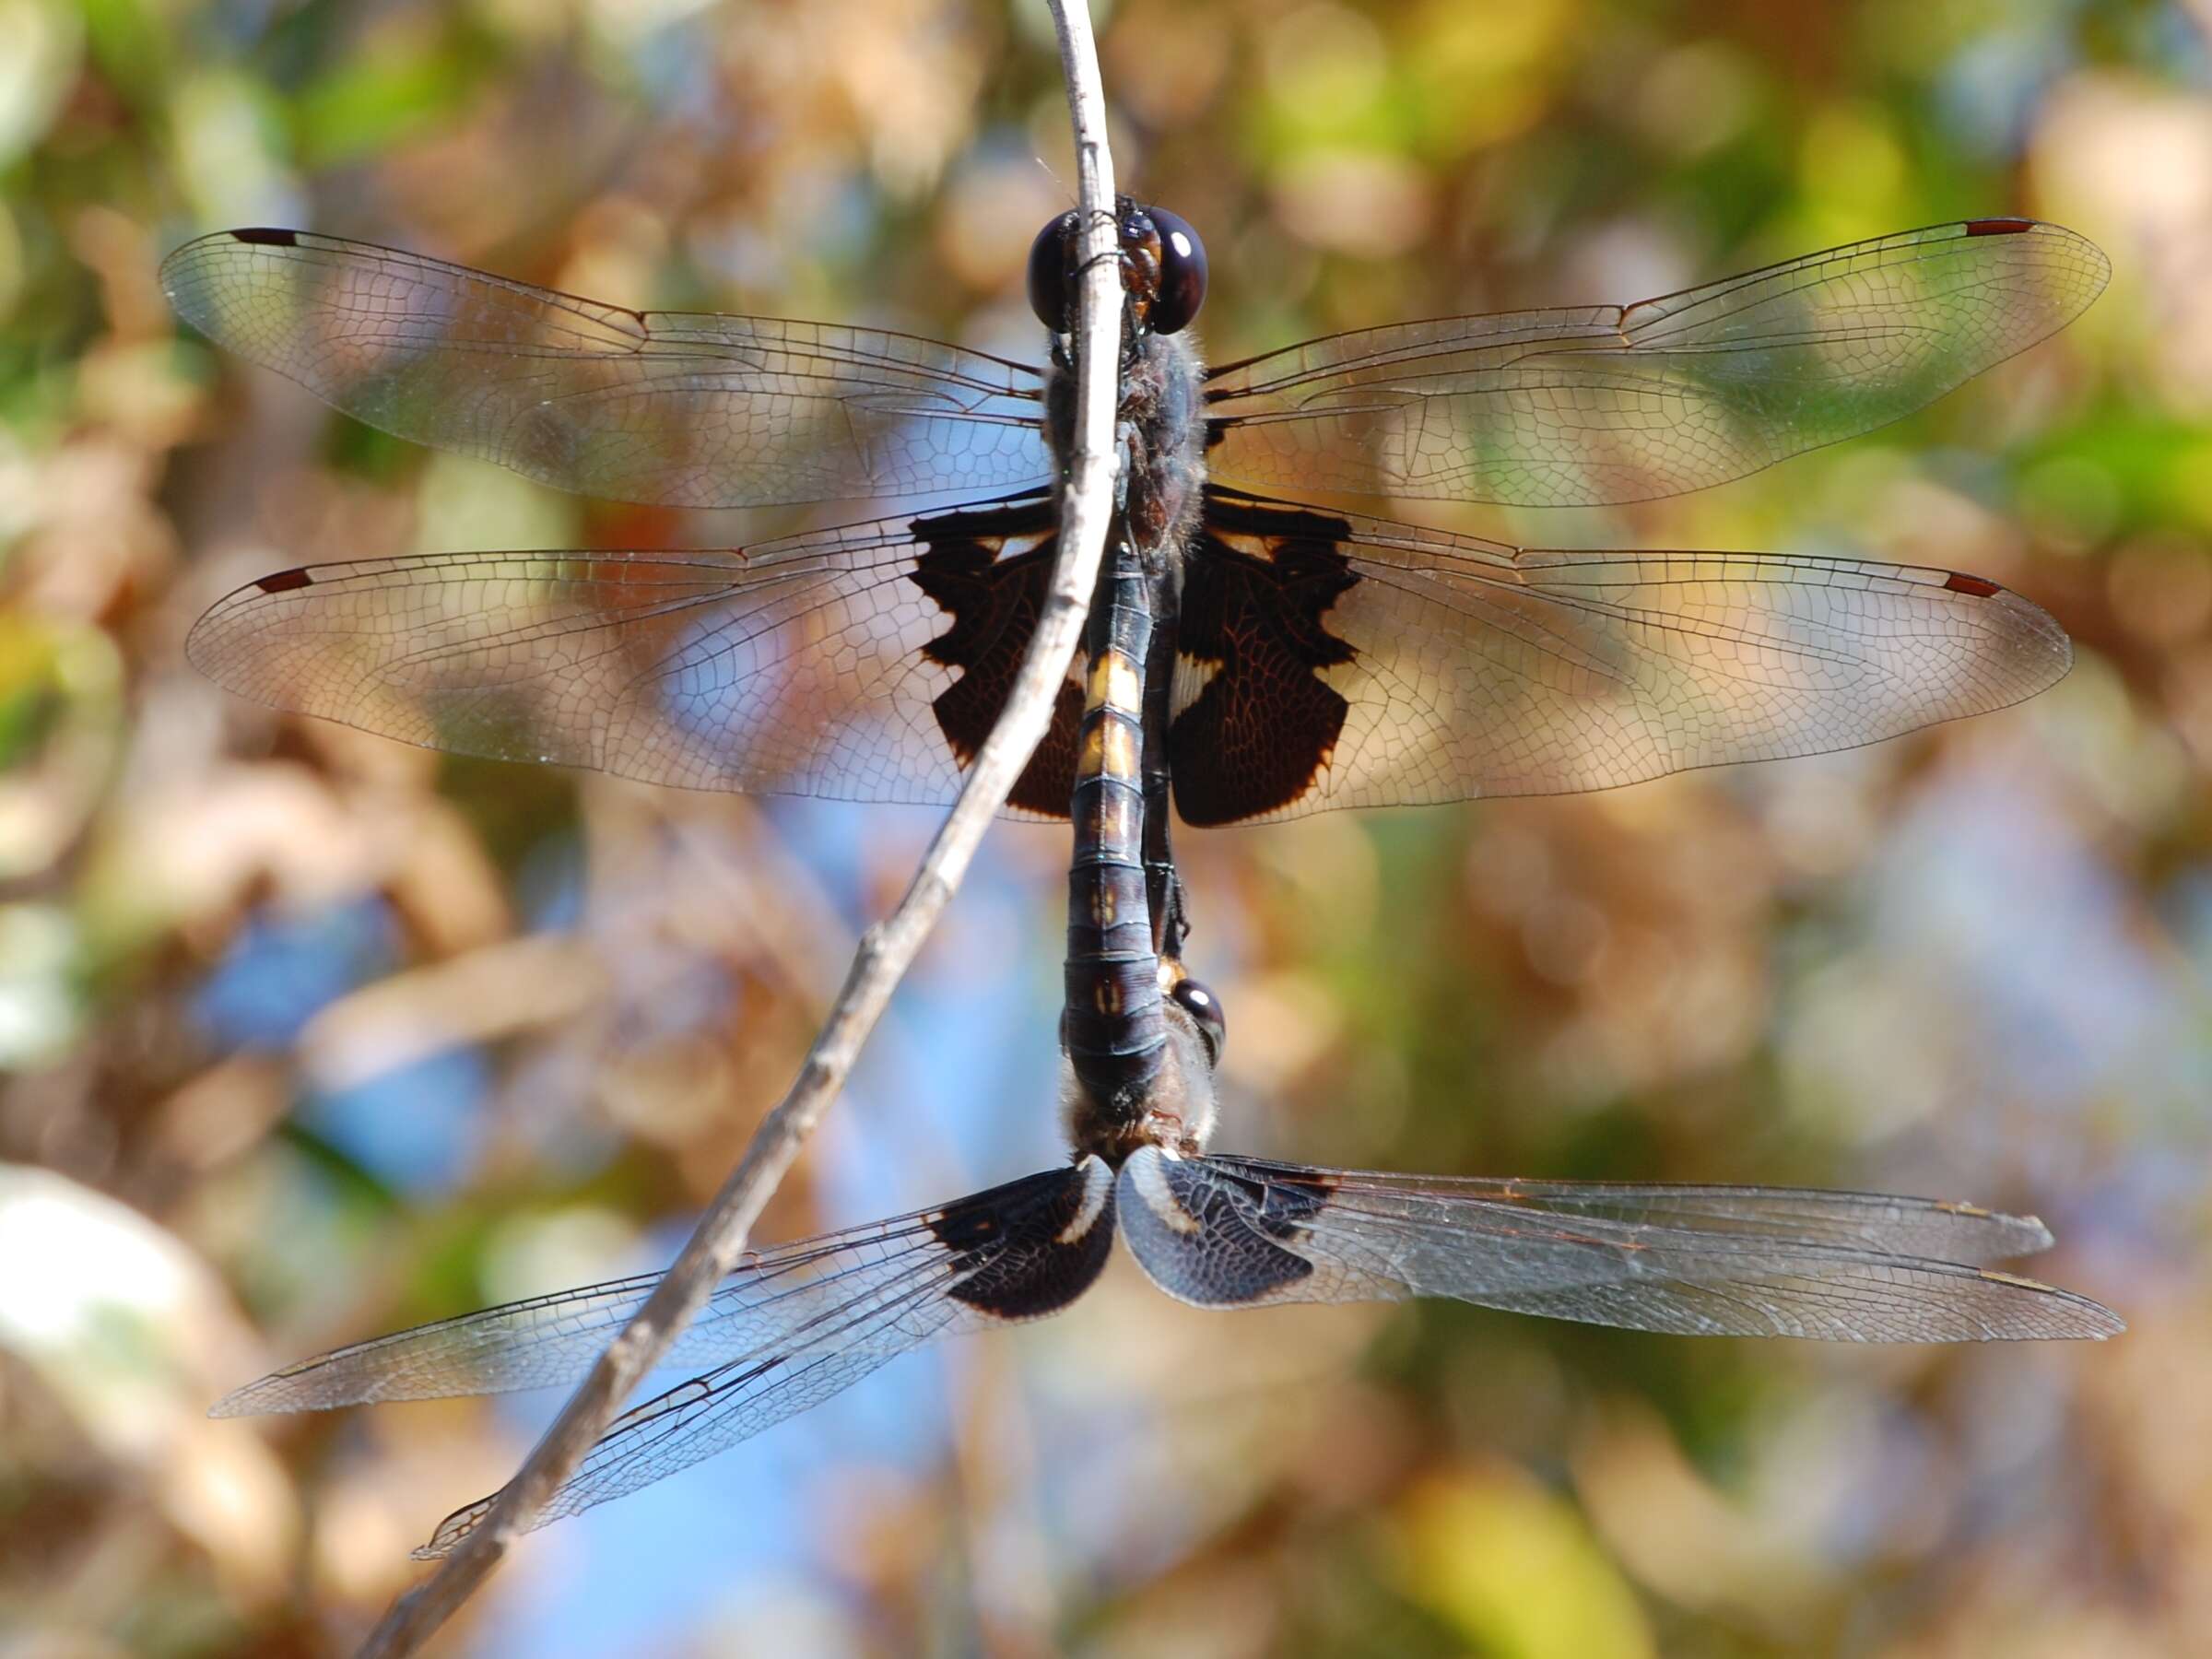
1050,258
1205,1009
1181,273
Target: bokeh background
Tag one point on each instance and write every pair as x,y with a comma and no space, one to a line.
308,1036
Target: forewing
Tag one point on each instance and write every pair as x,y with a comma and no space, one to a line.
1021,1251
1335,660
1698,1261
777,1300
688,410
1554,408
863,663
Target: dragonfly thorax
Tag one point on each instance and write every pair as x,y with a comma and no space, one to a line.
1159,443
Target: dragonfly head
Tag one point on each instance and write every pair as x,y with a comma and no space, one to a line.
1175,1109
1163,270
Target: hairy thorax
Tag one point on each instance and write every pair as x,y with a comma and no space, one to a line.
1160,444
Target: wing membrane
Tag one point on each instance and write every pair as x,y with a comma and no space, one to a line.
863,663
1406,666
1554,408
787,1329
785,1294
729,1405
1698,1261
688,410
1947,1230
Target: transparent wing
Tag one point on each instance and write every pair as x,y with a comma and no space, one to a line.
863,663
1332,660
788,1328
1947,1230
793,1295
731,1404
1554,408
688,410
1696,1261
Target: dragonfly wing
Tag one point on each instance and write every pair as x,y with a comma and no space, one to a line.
1596,404
1231,1232
772,1298
1946,1229
867,662
1335,660
686,409
1019,1251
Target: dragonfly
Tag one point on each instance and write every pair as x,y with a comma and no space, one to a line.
796,1323
1304,658
1245,657
1292,658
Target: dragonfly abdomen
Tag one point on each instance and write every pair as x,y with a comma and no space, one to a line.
1114,1031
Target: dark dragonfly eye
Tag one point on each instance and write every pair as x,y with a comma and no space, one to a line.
1050,258
1205,1009
1181,273
1163,267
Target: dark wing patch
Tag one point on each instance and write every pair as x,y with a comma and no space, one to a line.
989,571
1254,722
1026,1250
1207,1239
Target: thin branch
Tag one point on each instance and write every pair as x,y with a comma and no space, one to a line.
888,949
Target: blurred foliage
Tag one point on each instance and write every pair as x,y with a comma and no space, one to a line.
308,1036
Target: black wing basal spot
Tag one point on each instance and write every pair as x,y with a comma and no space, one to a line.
993,603
1013,1246
1265,724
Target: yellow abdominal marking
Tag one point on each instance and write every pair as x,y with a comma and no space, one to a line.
1109,748
1121,749
1104,907
1115,683
1108,999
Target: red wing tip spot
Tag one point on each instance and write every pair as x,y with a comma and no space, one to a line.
284,582
262,236
1998,227
1978,587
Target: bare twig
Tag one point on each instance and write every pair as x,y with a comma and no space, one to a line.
888,949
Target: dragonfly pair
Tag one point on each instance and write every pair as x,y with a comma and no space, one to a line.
1252,658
